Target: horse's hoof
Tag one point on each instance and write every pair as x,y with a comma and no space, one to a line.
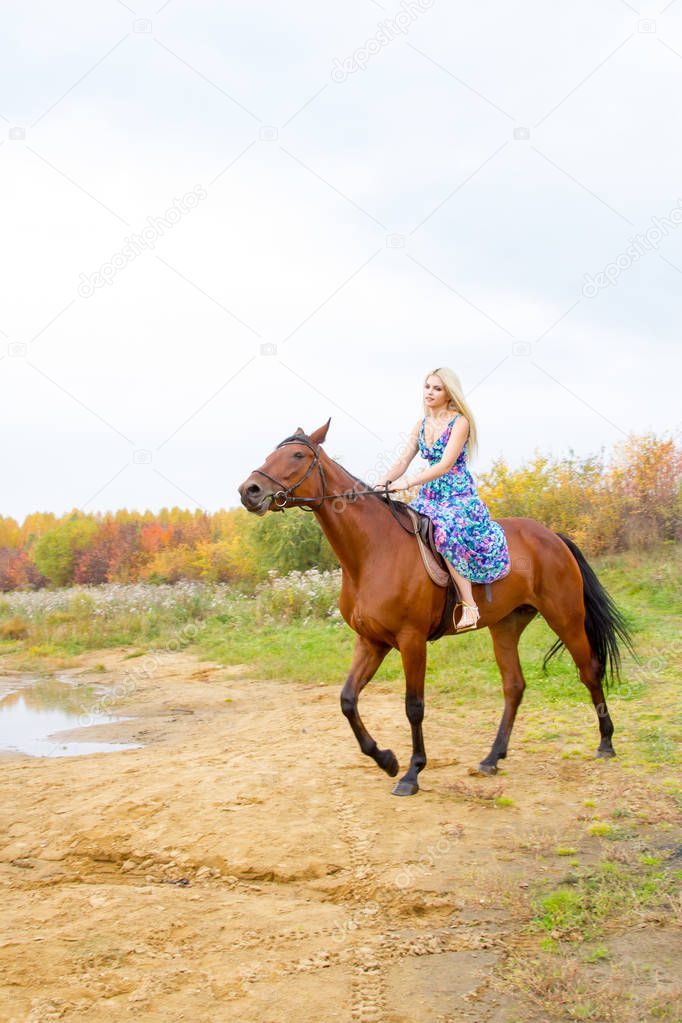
484,768
405,788
388,762
605,754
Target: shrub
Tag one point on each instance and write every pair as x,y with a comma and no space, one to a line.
14,628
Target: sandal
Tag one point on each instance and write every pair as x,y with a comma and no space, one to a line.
469,619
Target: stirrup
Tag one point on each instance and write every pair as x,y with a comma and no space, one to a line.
470,625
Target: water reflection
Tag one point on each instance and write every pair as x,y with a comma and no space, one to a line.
32,710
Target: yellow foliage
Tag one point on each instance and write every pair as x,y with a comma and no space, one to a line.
633,501
10,534
170,565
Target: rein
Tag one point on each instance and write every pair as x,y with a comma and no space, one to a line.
282,496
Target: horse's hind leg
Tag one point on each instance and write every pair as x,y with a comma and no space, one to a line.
367,658
506,635
570,628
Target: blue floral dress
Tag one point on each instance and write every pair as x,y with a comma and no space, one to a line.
463,531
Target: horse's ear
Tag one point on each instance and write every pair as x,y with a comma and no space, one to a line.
320,433
299,429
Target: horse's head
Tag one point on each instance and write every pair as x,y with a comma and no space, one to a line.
294,465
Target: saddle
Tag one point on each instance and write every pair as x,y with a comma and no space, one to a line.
434,563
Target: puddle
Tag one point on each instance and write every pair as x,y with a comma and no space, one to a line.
33,711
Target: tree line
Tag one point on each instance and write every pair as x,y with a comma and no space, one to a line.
630,499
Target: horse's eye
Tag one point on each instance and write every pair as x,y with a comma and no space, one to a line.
298,454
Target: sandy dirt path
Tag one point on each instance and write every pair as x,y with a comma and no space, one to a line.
249,864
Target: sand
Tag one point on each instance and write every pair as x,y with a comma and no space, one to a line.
247,863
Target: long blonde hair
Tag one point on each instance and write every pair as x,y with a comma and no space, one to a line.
458,402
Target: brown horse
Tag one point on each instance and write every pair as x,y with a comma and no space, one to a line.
390,601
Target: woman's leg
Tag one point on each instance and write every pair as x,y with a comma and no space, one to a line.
464,585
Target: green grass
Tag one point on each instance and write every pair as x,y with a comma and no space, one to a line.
612,894
316,652
602,829
578,971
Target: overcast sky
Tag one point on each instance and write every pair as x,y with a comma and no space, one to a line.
222,221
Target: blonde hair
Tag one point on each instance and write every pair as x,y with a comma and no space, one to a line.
458,402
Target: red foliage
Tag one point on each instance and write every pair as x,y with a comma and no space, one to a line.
17,571
154,536
114,555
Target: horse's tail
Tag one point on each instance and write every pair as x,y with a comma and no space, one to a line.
605,625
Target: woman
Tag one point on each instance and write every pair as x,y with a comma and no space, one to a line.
473,546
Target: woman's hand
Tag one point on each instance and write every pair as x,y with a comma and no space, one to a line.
402,483
392,486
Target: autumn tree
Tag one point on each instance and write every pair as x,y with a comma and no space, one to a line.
291,540
57,551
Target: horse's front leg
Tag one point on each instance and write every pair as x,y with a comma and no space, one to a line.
413,654
367,658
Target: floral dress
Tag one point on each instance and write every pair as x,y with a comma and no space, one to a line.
463,531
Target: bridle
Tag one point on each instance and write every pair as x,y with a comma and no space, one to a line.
282,495
286,492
